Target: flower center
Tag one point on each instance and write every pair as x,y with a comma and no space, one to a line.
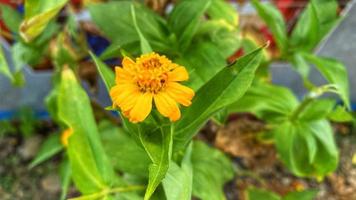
151,74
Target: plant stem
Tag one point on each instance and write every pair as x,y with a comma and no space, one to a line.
106,192
301,108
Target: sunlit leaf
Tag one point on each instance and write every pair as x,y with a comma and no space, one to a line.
91,169
223,89
38,13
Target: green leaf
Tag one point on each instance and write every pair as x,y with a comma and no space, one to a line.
220,33
200,58
145,46
10,17
317,109
223,89
307,149
178,182
37,15
259,101
275,22
65,173
211,170
112,51
123,151
314,23
221,10
327,12
259,194
105,72
4,67
92,171
301,195
50,147
339,114
335,73
116,22
300,65
184,20
305,35
157,141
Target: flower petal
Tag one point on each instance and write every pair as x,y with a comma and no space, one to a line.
127,62
142,107
167,106
123,95
178,74
180,93
122,75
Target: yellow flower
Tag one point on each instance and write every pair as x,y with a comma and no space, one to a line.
150,78
65,135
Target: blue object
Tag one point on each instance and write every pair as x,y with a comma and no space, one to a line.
10,114
21,8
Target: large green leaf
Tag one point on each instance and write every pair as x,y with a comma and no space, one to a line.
183,21
307,148
92,171
211,170
50,147
38,13
223,89
179,179
115,20
123,151
275,21
259,101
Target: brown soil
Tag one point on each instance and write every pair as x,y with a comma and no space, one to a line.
258,165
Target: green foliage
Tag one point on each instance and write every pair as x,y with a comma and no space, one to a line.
6,128
38,15
223,89
211,169
10,17
307,148
123,151
116,21
4,67
91,169
275,22
65,173
273,108
50,147
259,194
184,20
178,182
